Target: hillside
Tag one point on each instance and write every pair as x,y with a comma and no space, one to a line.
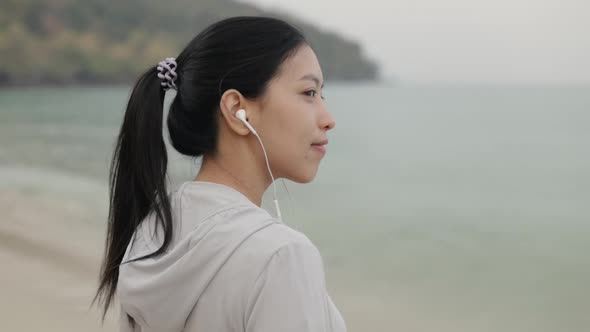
97,41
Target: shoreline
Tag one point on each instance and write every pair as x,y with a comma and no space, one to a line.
48,283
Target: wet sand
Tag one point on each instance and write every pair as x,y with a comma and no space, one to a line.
50,259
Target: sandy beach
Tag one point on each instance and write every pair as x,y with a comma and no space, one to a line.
50,258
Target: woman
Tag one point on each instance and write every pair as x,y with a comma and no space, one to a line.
207,257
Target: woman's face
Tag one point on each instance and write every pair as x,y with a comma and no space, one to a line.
294,117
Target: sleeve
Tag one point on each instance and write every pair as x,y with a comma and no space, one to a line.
290,293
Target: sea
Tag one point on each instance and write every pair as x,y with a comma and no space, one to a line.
438,207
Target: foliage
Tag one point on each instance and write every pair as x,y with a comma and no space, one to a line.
94,41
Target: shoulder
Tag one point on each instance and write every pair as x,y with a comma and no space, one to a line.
288,292
279,239
276,246
284,255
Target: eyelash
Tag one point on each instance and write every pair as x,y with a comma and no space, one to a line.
315,92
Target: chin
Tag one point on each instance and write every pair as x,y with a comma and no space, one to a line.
303,177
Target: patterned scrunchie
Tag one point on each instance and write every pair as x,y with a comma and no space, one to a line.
167,73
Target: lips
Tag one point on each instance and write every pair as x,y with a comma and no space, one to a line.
323,142
320,146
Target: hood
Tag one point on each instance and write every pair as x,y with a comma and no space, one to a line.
211,221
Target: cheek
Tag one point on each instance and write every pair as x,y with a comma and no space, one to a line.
292,122
288,117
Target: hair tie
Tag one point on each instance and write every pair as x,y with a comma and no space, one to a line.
167,73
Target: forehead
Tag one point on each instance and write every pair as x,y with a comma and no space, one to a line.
303,62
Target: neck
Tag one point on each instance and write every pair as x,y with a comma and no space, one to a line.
220,170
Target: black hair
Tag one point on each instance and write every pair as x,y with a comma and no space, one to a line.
242,53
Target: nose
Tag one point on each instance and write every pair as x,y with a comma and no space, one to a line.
327,121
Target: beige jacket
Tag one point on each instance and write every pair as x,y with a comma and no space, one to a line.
231,266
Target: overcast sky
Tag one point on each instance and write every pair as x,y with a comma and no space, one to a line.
493,41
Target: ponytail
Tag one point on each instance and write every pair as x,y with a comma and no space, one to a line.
137,181
243,53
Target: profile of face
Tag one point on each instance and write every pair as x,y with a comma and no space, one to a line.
293,116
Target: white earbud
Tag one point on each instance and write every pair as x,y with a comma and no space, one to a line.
241,114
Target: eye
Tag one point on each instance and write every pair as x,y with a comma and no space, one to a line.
311,93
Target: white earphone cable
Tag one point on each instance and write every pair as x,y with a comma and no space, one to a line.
276,201
241,114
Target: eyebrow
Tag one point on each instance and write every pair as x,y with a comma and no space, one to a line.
312,77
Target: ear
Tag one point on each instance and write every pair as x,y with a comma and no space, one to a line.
231,101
